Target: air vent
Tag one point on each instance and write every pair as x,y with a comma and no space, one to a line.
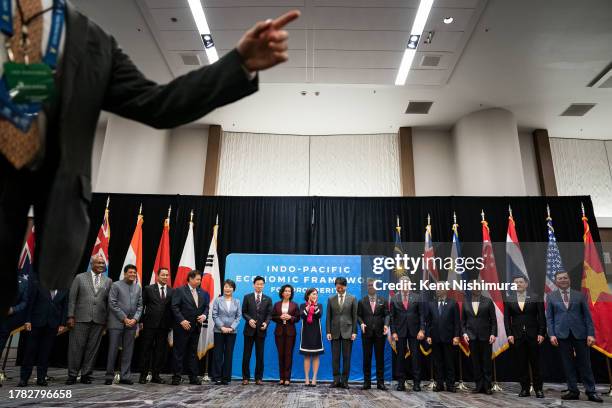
578,109
191,59
419,107
430,61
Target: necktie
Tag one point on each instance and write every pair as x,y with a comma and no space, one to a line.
20,148
521,302
97,283
440,304
566,299
341,301
257,300
475,306
194,294
373,304
163,293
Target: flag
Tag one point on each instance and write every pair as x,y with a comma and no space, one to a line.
134,252
429,273
515,264
595,288
453,275
397,250
554,263
27,255
187,262
211,283
489,274
103,239
162,260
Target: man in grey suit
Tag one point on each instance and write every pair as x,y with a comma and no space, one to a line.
125,308
341,328
87,312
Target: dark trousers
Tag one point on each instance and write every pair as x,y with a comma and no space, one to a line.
582,362
378,344
223,354
444,364
38,345
344,347
259,357
154,348
400,362
480,352
284,345
185,349
526,352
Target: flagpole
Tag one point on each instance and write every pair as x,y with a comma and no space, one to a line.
496,386
609,376
191,217
461,386
107,202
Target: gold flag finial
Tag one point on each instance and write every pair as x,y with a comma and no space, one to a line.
191,217
510,210
140,209
482,214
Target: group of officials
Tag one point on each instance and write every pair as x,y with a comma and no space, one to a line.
95,304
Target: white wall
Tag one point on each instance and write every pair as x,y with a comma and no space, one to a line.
434,162
139,159
530,164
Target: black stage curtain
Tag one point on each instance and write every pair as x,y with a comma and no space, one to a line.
337,225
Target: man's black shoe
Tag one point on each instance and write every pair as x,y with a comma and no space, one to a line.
158,380
142,379
195,381
176,380
476,391
366,386
451,388
126,382
524,393
539,394
42,383
438,388
71,381
416,387
381,386
86,379
22,383
488,391
400,387
344,385
570,395
108,382
334,385
594,398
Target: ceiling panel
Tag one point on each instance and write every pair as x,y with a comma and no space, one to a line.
461,19
352,18
229,38
354,76
180,40
253,3
243,18
284,75
166,3
366,3
443,41
360,40
362,59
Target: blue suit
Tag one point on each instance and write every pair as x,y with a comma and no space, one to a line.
17,318
571,325
45,313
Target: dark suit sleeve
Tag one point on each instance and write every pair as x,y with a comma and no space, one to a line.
541,318
354,312
392,317
145,298
587,316
493,318
176,307
550,316
328,317
386,314
422,310
507,323
64,310
360,313
295,317
30,306
245,309
464,319
206,305
22,305
268,312
456,321
183,100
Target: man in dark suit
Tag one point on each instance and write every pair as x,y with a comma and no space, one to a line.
526,327
479,325
444,330
341,329
570,328
373,318
256,311
17,311
156,323
190,309
97,75
45,319
407,326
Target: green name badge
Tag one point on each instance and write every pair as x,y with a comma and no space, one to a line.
29,83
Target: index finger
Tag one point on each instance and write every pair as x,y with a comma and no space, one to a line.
285,19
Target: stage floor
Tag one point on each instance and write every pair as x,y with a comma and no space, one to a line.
271,395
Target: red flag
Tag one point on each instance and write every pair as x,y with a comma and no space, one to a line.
162,260
103,239
595,288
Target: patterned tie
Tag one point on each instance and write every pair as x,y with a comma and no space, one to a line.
97,283
341,301
566,299
405,302
194,294
20,148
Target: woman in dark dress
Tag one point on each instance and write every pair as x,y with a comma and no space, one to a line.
311,343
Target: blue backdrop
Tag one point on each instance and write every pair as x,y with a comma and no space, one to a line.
302,272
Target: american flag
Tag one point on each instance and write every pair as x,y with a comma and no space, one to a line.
458,295
553,259
429,266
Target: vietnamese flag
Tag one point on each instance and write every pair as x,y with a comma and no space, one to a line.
595,288
162,260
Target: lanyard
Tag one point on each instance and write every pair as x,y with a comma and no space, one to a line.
55,33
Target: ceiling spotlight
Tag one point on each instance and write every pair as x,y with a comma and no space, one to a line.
414,38
413,42
448,20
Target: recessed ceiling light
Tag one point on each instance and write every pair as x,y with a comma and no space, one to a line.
200,19
448,20
415,34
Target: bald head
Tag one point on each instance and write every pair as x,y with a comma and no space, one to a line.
98,265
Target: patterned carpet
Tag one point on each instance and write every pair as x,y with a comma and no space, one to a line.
272,396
